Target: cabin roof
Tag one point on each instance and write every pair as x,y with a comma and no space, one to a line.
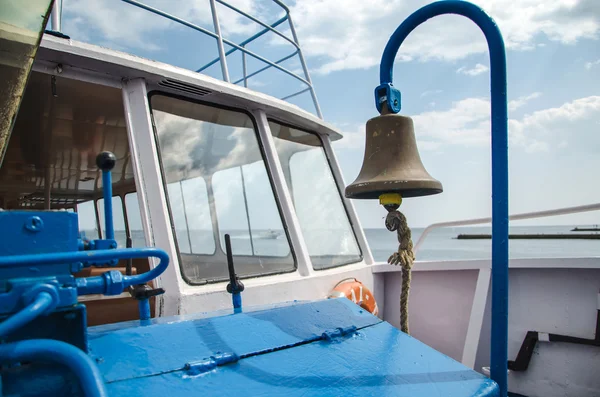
95,61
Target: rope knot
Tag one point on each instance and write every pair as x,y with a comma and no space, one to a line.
404,257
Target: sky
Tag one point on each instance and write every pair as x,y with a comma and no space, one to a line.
442,70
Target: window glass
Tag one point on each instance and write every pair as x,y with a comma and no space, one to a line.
323,219
118,220
86,214
217,183
246,209
134,220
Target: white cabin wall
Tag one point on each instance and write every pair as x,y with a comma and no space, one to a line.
261,291
559,301
439,307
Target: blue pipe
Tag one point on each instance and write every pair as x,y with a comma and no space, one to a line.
236,298
35,309
53,351
499,337
108,213
109,283
144,309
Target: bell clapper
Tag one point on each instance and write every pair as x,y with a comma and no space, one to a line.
396,221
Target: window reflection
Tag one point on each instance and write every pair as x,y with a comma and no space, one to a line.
134,220
323,219
86,214
217,183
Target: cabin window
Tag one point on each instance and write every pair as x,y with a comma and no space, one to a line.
50,164
191,216
88,224
134,220
118,220
323,218
217,183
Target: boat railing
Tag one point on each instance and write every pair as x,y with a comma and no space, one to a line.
515,217
242,46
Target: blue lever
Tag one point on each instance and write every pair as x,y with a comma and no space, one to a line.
106,162
235,286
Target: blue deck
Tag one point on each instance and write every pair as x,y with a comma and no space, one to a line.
329,347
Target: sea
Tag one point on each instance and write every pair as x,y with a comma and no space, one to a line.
440,244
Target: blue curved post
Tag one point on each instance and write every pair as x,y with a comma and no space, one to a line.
387,94
53,351
35,309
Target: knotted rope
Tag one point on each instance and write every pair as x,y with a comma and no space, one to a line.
396,221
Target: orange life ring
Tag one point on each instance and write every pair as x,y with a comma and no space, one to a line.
354,290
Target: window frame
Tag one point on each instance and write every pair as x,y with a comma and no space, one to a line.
268,169
361,256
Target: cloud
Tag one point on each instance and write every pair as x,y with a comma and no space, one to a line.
591,64
432,92
122,25
467,123
521,101
474,71
354,137
353,36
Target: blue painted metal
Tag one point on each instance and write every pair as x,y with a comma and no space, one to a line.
235,286
144,309
499,334
168,343
199,367
66,324
110,283
329,347
236,298
45,350
39,306
59,233
108,213
387,94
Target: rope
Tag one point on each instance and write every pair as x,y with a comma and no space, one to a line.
396,221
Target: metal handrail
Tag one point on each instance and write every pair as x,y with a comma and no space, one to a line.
515,217
241,47
56,25
258,21
243,43
246,77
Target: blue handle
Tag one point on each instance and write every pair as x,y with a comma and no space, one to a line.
106,162
108,212
499,337
109,283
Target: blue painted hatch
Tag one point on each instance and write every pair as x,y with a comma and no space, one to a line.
330,347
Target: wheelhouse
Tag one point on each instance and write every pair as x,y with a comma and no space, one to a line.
196,159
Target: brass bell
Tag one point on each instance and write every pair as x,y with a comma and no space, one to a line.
392,163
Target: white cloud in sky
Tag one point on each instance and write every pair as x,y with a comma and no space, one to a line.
474,71
519,102
591,64
353,36
467,123
431,92
124,24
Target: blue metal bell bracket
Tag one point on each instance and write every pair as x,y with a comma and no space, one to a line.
499,109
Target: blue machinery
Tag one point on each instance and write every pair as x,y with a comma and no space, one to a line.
328,347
